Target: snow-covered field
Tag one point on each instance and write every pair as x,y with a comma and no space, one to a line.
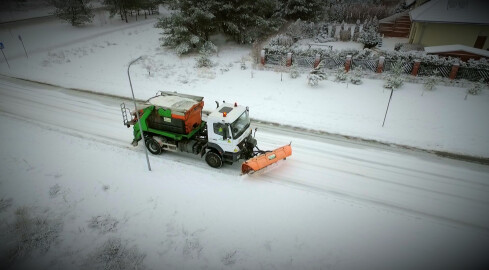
75,195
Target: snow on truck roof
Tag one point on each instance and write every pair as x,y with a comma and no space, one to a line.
174,101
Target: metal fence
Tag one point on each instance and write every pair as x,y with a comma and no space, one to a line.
364,64
425,69
276,59
304,61
407,67
430,69
472,74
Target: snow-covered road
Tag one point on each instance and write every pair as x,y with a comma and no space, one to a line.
427,193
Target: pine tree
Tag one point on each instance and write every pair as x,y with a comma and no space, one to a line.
395,79
308,10
76,12
194,21
369,37
190,27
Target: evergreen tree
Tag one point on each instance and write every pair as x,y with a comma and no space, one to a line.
194,21
308,10
189,27
395,79
369,37
76,12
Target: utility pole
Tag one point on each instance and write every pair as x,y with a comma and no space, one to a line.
137,112
392,91
20,38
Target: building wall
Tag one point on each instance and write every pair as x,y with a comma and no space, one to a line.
435,34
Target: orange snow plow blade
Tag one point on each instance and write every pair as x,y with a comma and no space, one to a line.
259,162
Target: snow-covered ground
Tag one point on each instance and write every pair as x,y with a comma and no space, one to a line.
75,195
72,185
95,57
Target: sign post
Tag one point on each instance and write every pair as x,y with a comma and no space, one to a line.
1,48
20,38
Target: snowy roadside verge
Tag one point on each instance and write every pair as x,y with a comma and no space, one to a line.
261,122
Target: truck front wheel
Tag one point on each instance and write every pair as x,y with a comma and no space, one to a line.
153,146
213,159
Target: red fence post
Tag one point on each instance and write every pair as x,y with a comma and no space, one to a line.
380,65
289,60
317,60
348,63
453,73
417,64
262,57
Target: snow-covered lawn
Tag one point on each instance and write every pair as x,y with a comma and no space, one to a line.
75,195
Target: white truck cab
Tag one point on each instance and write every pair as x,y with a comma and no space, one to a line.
227,128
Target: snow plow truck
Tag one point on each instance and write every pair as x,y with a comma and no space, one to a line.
172,121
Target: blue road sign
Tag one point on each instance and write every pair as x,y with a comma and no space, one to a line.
1,46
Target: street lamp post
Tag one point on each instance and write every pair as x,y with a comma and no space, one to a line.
137,112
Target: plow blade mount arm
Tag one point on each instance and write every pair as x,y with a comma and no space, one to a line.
261,161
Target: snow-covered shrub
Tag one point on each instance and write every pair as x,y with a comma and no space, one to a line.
205,51
315,75
395,79
340,74
369,37
204,61
431,81
294,72
476,88
356,75
281,40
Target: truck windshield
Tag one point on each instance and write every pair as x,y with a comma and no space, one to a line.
239,126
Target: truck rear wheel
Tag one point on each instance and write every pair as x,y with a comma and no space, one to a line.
153,146
213,159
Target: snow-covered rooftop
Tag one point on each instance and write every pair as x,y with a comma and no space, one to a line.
452,11
456,47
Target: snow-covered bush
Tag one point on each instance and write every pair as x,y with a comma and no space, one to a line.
476,88
356,75
205,51
369,37
395,79
294,72
281,40
315,75
340,74
431,81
